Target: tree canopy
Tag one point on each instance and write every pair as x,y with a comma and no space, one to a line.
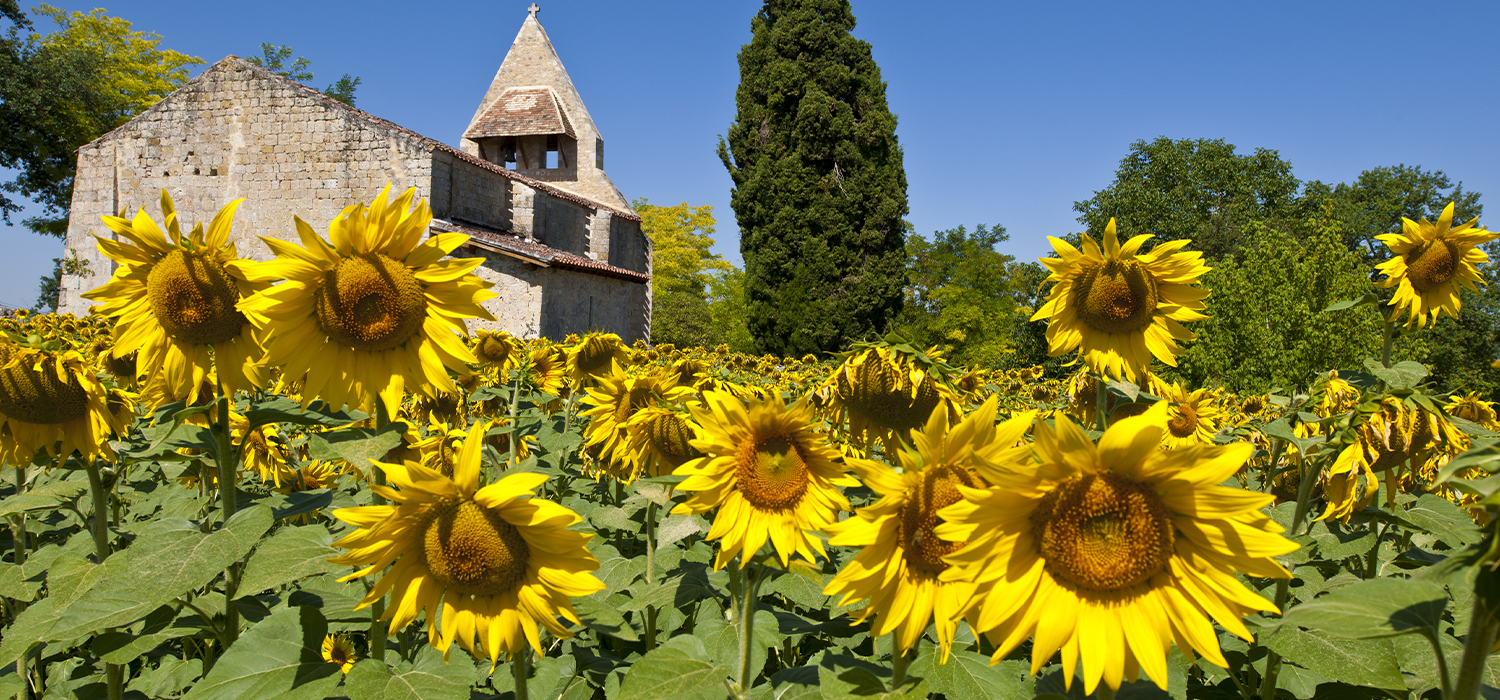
819,185
959,294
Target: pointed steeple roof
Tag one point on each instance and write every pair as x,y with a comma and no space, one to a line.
532,62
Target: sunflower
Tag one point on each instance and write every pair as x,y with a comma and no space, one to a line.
264,449
1112,552
901,559
610,406
1120,306
487,565
51,399
1192,417
440,450
496,349
374,314
548,369
176,301
1474,409
1432,263
595,356
885,394
663,438
339,651
768,471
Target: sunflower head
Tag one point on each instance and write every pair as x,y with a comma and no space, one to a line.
1121,306
51,399
1431,264
597,355
885,393
1193,417
338,650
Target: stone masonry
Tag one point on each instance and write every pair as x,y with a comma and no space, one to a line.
562,262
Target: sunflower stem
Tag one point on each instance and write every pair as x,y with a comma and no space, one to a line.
900,660
519,663
228,470
114,675
749,590
378,632
18,522
650,573
1484,626
1388,341
1101,404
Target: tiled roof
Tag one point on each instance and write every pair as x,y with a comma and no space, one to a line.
523,111
536,253
431,143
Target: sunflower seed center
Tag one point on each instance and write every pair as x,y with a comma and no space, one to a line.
878,393
1431,265
1185,423
1103,532
669,437
772,474
370,302
472,549
193,298
1119,296
924,550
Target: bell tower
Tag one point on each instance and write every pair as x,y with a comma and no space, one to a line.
533,121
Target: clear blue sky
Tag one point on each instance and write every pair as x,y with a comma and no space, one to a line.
1009,112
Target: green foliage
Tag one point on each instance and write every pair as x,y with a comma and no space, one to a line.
1267,325
50,286
61,90
819,186
727,309
683,319
274,58
682,268
959,295
1198,189
1378,199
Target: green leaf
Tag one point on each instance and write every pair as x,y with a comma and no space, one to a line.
1281,429
1382,607
676,528
1365,300
1335,542
169,559
124,647
44,497
847,678
605,618
680,668
297,502
284,410
1363,662
280,657
800,683
969,675
429,679
357,446
1402,375
291,554
1440,517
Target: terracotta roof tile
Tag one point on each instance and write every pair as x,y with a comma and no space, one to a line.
523,111
537,253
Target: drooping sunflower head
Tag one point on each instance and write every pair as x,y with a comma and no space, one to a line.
487,565
663,437
372,312
1474,409
885,393
548,369
611,405
264,449
175,299
902,557
1076,543
51,399
596,356
1335,395
1121,306
1431,264
439,451
768,471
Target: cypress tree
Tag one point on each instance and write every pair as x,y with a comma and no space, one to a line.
819,188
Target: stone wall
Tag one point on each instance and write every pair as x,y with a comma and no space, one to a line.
463,191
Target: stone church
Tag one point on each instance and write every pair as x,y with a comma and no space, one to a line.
562,246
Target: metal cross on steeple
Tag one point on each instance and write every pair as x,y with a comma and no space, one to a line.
533,10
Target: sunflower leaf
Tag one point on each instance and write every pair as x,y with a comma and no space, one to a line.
1383,607
279,657
292,553
45,497
284,410
679,668
970,675
848,678
429,679
1439,517
357,446
1402,375
1361,662
1350,303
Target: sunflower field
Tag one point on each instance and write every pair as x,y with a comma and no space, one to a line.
306,477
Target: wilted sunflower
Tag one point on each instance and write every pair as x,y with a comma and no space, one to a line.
549,369
378,312
1112,552
1474,409
50,399
176,301
769,473
897,570
487,565
1192,417
885,394
339,651
1433,263
1119,305
610,406
439,451
264,450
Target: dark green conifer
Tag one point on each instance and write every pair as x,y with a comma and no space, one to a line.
819,188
